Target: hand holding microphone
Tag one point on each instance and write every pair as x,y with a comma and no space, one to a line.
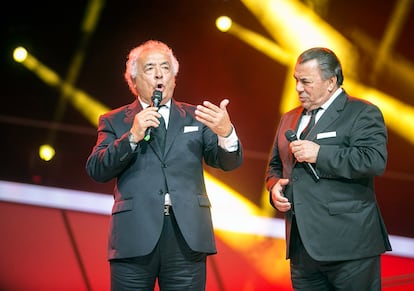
156,101
291,136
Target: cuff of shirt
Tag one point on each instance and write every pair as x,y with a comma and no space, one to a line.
133,145
230,143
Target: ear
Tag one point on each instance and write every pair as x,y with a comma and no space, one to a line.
332,83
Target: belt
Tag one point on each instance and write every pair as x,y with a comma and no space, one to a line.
167,209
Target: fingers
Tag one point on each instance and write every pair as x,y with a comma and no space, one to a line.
283,182
210,109
205,113
279,201
304,150
224,103
144,119
148,117
215,117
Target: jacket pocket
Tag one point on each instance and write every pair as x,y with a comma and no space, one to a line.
340,207
122,206
203,200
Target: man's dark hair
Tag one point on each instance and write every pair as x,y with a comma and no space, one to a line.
329,63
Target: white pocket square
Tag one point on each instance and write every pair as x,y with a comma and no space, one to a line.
326,134
190,128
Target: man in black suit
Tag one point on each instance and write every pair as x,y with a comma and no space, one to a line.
161,227
324,180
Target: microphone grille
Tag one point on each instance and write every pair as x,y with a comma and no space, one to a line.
156,98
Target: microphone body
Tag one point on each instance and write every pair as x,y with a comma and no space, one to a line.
291,136
156,101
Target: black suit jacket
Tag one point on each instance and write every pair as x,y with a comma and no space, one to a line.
338,217
144,175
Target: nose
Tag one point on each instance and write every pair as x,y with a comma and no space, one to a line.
158,73
299,86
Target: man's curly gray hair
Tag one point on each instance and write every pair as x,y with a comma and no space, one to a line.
131,64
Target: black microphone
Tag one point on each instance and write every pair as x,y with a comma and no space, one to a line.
156,101
291,136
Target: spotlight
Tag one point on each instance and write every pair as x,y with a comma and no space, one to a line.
20,54
46,152
223,23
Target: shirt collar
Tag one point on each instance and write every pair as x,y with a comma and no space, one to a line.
330,100
145,105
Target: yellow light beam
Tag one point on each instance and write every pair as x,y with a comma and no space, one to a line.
398,115
272,50
88,26
296,28
90,108
392,33
395,65
236,217
262,44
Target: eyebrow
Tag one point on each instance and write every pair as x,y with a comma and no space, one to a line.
153,64
300,78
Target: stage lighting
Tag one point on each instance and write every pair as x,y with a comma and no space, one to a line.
46,152
223,23
20,54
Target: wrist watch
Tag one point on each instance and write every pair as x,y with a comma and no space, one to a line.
131,138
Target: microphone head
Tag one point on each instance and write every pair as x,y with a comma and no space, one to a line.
290,135
156,98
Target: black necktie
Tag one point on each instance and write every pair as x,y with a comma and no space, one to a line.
160,133
311,123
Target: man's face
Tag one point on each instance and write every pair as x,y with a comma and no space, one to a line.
154,72
312,90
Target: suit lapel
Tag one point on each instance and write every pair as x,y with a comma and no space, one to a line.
292,122
329,116
175,124
131,110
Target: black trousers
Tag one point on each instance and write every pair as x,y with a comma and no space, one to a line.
172,264
311,275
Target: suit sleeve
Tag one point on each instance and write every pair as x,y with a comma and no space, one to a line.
217,157
111,154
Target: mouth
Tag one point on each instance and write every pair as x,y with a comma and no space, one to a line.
159,87
302,97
